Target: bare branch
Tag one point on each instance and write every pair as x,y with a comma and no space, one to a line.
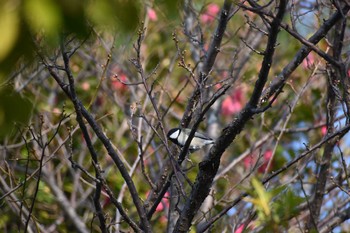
281,79
209,167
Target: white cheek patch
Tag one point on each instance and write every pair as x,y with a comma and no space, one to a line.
175,134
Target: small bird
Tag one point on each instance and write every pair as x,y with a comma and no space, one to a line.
179,137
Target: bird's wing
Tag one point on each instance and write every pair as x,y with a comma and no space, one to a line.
199,135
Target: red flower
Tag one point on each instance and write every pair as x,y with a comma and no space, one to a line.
118,82
209,15
250,161
119,79
106,202
266,159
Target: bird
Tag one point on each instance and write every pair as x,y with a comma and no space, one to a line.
179,137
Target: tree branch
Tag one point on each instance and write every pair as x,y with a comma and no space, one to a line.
319,189
115,157
335,136
86,135
281,79
213,51
209,167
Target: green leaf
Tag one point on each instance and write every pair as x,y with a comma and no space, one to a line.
13,109
287,204
170,8
305,112
44,15
44,194
118,14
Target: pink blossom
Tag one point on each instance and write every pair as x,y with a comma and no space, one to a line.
85,86
240,229
232,104
324,130
309,61
248,161
164,203
152,15
210,13
56,111
206,47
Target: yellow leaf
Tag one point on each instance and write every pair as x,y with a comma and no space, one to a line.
9,24
263,197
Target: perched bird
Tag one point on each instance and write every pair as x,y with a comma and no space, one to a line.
180,135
